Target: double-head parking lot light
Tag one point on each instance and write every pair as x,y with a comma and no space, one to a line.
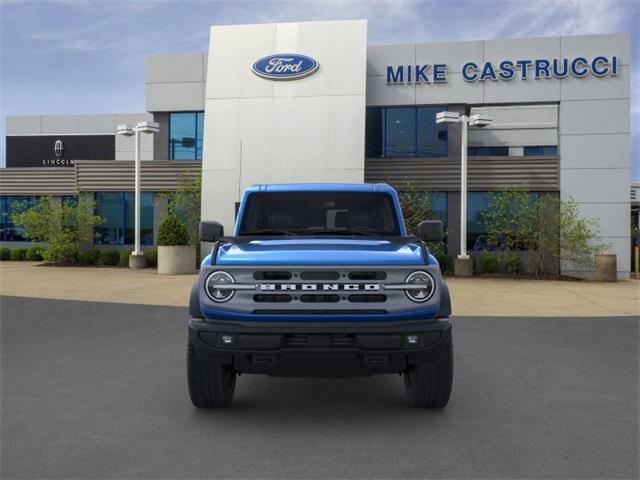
128,131
477,120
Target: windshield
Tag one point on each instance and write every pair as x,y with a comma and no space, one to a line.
319,213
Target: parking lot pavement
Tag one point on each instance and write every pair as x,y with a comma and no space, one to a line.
98,390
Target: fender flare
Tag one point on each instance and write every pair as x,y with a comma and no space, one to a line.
194,301
445,301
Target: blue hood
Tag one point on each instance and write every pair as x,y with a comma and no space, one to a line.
321,251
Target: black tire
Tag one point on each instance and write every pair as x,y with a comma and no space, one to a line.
211,384
428,384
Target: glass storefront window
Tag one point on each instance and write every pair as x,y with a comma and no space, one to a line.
488,151
541,151
432,137
400,132
405,132
477,203
10,232
117,209
185,135
439,206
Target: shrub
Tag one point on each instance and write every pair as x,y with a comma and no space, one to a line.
109,257
5,254
64,227
185,204
445,262
172,232
513,263
90,257
18,254
152,258
489,263
34,254
61,254
124,258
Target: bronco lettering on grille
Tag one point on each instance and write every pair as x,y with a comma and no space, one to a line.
319,286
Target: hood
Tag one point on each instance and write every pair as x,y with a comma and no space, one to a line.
321,251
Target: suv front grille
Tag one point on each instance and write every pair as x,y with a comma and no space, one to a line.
320,340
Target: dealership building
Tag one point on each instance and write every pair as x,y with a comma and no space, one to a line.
312,102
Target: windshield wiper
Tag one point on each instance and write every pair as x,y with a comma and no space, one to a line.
267,231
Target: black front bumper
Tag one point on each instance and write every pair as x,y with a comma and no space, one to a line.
320,349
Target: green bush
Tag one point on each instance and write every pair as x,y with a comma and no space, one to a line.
5,254
172,232
109,257
18,254
90,257
513,263
61,254
63,227
489,263
34,254
124,258
445,262
152,258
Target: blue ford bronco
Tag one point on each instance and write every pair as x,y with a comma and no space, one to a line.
320,280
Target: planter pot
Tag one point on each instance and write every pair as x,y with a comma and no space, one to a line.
606,268
176,260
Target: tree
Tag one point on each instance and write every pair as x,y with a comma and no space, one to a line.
416,206
184,203
563,237
509,220
550,229
63,227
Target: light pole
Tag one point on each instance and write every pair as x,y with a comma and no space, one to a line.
463,264
136,259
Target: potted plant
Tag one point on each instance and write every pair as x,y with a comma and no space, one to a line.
175,253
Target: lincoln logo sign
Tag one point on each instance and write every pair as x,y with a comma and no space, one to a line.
285,66
58,148
326,287
505,70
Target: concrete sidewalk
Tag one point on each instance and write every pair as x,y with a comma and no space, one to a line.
471,297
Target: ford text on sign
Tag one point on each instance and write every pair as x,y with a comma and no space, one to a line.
285,66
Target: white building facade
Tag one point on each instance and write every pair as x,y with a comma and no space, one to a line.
352,112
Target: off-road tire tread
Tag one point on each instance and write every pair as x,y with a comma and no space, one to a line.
209,385
428,385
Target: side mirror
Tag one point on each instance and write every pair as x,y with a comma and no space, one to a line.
210,231
430,231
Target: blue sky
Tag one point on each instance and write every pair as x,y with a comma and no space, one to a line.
84,56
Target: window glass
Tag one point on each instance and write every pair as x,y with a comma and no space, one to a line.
319,213
109,207
405,132
432,137
117,209
146,218
185,135
477,203
439,206
199,134
538,151
10,232
374,129
400,132
488,151
551,150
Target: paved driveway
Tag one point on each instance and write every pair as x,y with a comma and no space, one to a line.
97,390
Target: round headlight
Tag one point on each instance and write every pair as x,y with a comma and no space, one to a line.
218,294
425,286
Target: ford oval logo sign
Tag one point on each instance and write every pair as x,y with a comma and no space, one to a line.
285,66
